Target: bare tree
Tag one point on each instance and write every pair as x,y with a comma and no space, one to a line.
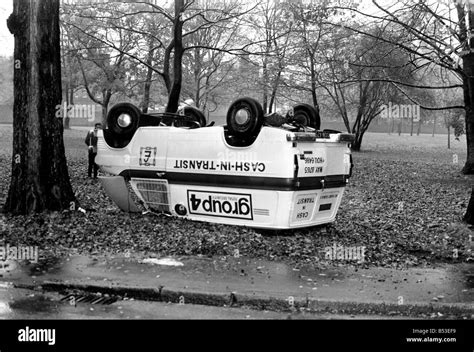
271,32
149,76
207,71
171,34
435,35
103,70
353,78
40,179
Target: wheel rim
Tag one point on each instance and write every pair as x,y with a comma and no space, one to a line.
242,116
124,120
302,119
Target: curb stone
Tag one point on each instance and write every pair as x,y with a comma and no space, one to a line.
261,302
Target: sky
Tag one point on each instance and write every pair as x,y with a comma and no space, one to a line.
6,38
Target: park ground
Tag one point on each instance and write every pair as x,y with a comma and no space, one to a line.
404,203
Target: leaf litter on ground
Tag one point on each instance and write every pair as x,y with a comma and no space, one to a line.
405,211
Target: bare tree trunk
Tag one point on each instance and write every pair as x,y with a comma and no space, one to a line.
149,77
197,77
355,146
359,135
173,98
40,179
107,95
418,131
65,114
469,216
434,126
274,92
468,83
66,68
412,124
71,102
449,137
265,84
313,86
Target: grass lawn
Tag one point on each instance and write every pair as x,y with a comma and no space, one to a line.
404,204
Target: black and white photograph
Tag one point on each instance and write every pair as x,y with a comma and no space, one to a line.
303,161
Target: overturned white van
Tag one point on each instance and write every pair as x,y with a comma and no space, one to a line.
246,173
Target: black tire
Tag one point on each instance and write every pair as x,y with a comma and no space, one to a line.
195,115
331,131
116,112
306,115
245,118
122,134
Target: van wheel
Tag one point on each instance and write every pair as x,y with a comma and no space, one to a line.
305,115
123,119
245,118
122,122
195,115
